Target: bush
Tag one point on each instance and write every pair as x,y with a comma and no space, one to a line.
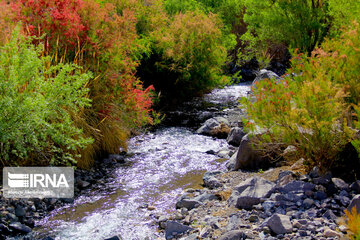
301,24
36,104
189,55
100,37
314,110
353,222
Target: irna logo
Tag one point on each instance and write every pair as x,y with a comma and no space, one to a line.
23,180
38,182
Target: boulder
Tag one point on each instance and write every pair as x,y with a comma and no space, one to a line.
247,157
356,186
265,74
175,227
250,192
20,228
340,184
217,127
279,224
355,202
233,235
297,186
235,136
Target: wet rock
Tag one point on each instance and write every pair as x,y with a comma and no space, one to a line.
247,157
188,203
340,184
217,126
249,192
114,238
355,202
151,208
82,184
20,228
175,227
356,186
233,235
279,224
320,195
117,158
235,136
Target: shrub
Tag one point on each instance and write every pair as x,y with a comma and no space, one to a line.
190,53
36,104
100,37
308,113
353,222
299,24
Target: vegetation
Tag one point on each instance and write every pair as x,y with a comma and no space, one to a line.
353,222
37,102
313,107
109,59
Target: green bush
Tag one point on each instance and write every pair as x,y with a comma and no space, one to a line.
299,24
191,49
37,103
317,110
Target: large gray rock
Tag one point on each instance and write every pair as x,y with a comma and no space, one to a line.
235,136
279,224
355,202
247,157
265,74
206,197
188,203
175,227
250,192
217,127
340,184
20,228
233,235
297,186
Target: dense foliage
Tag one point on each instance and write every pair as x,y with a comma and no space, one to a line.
313,107
37,102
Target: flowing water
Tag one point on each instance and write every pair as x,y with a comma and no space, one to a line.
161,164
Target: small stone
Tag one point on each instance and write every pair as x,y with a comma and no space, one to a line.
253,218
296,224
343,228
19,211
233,235
308,202
151,208
331,233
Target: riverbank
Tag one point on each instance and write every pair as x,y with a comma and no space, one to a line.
283,202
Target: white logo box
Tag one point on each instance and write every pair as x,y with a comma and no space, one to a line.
38,182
